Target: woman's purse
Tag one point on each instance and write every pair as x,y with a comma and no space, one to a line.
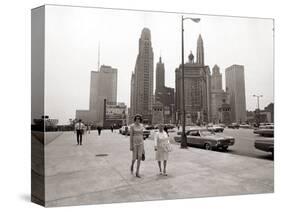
143,156
167,146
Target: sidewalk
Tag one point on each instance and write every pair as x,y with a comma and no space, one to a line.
75,175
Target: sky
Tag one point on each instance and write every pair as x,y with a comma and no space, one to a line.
73,36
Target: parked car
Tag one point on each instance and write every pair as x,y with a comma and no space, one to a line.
146,133
266,132
233,126
206,139
149,127
124,130
216,128
245,126
265,144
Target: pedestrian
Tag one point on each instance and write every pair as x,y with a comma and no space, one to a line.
99,130
111,128
136,143
166,129
162,148
89,128
79,129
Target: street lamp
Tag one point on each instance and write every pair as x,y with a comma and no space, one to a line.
258,112
183,136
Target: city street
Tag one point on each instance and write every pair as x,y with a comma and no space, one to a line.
98,172
244,143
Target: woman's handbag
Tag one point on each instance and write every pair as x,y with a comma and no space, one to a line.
143,156
167,147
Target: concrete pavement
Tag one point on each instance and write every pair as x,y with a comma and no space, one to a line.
76,175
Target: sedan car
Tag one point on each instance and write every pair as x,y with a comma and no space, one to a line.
124,130
265,144
206,139
233,126
215,128
266,132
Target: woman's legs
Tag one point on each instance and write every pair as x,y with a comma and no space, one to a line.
165,165
160,169
132,166
138,167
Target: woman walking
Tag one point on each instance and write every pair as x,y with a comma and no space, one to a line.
162,148
136,143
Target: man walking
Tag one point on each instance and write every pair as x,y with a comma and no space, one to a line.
79,129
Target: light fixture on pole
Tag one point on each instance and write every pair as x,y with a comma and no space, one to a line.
258,110
183,136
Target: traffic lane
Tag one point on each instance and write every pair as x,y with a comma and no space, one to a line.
245,143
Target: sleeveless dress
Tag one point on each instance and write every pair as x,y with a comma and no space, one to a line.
137,141
160,139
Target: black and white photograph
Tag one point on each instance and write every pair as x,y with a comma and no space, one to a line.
138,105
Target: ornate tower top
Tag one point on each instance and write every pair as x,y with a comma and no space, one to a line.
191,57
145,34
216,69
200,51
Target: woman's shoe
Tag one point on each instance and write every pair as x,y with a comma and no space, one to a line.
137,175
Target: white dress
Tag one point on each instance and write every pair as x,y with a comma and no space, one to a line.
161,138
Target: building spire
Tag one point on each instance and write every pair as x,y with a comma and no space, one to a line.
200,51
99,57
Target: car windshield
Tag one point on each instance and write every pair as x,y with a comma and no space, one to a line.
206,133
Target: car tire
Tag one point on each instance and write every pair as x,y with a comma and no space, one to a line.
225,149
207,146
272,153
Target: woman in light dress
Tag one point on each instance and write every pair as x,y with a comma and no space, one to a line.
136,143
161,139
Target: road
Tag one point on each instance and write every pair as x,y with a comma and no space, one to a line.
244,143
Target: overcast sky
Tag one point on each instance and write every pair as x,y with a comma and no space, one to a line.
73,35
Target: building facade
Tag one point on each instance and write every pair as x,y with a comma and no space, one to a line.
103,86
114,114
219,99
142,79
235,86
163,94
197,88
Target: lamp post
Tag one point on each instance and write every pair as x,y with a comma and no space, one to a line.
183,136
258,112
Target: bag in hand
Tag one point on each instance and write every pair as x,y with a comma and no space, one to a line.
143,156
167,147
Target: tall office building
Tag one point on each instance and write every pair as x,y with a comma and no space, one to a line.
200,51
219,98
235,85
163,94
142,91
197,88
103,85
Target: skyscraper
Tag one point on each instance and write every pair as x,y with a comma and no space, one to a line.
219,98
160,75
163,94
197,88
103,85
142,91
235,85
200,51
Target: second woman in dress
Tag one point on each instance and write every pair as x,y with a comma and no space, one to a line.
161,141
